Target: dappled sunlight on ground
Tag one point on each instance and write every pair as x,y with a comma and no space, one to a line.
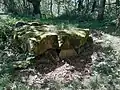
72,68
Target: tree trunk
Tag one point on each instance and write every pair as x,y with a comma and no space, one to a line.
80,5
58,6
24,4
75,4
87,7
25,10
51,6
75,7
118,15
109,2
118,22
117,8
117,2
93,6
10,5
36,7
101,9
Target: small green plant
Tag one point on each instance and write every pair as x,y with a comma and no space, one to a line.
107,68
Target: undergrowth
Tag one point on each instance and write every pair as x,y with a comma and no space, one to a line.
106,69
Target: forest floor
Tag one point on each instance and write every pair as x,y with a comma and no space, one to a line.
78,71
100,69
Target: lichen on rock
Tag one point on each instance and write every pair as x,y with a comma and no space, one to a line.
39,38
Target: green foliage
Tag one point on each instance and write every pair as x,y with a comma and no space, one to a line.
8,55
5,81
106,70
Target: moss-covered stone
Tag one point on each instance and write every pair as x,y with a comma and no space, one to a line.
39,38
45,42
76,38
